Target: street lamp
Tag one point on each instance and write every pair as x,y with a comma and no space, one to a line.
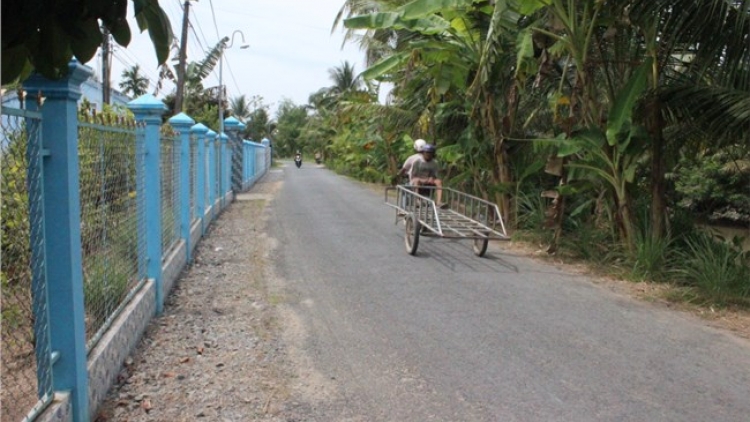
221,73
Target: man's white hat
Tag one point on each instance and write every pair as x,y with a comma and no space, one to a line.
418,144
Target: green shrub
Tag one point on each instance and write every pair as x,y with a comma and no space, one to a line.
713,185
585,241
106,283
717,268
652,257
124,238
531,208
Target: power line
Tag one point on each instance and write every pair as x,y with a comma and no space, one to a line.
216,27
151,83
236,85
197,39
213,14
128,56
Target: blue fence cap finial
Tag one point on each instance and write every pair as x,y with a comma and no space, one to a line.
211,133
231,123
199,128
147,104
181,119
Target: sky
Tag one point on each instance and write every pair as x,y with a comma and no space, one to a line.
291,46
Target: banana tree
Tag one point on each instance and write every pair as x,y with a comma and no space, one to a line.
442,50
612,154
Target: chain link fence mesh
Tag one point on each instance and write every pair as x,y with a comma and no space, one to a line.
193,149
26,369
217,170
170,190
112,232
237,162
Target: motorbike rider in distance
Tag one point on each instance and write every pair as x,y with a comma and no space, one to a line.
298,159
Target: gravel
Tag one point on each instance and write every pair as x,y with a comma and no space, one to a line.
216,353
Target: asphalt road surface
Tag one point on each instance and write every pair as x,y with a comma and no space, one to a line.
448,336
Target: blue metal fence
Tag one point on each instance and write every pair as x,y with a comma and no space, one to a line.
100,209
26,353
112,237
170,191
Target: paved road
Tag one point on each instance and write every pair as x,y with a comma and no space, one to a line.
447,336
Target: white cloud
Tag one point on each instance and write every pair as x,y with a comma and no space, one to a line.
291,46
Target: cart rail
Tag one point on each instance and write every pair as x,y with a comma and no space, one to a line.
465,217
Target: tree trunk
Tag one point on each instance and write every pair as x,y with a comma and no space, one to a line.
502,177
556,215
658,169
626,220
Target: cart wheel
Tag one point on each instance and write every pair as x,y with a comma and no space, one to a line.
480,246
411,237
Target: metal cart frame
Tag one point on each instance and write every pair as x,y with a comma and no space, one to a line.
464,216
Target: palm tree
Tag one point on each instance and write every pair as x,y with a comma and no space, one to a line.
133,82
240,107
345,81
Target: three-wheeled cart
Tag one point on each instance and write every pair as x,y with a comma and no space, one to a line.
463,216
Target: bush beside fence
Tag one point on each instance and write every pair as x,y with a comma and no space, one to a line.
122,205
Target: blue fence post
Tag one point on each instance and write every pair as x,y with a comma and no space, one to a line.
267,154
232,129
225,154
251,153
242,156
148,110
250,160
182,123
211,146
63,232
199,131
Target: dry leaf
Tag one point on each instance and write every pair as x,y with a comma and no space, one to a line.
185,360
146,405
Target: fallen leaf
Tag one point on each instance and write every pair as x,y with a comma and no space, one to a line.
185,359
146,405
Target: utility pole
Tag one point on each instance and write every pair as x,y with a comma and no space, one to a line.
106,54
221,90
180,94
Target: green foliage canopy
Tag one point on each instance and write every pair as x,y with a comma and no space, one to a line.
44,35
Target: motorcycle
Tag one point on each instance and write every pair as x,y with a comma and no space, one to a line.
298,161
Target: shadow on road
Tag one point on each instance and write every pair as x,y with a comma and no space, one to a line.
457,256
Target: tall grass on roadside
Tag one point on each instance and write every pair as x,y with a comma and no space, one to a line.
719,269
529,224
585,241
530,211
654,256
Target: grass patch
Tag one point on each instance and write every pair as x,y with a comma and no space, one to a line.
720,270
653,257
